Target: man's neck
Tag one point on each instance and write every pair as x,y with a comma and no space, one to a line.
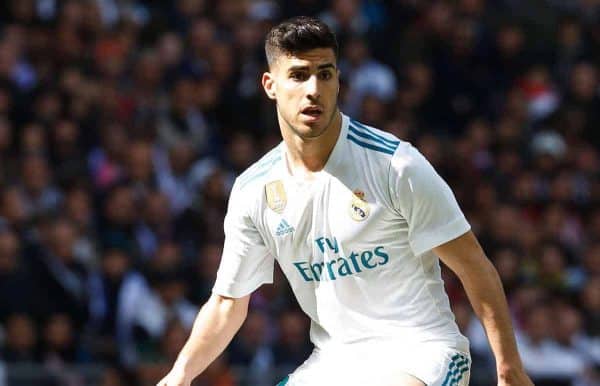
309,155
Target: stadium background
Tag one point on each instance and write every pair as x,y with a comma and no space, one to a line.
123,124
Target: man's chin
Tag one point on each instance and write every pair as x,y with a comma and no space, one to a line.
312,130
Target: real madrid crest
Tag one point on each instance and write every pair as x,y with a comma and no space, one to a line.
276,198
359,207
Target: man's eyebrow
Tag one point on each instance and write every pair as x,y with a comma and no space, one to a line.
298,68
305,68
326,65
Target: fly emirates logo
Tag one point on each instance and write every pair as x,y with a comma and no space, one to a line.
352,264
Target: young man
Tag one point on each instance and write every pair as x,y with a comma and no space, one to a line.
357,220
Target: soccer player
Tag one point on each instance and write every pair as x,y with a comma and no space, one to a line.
358,221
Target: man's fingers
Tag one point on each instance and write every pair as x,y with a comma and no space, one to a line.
163,382
167,381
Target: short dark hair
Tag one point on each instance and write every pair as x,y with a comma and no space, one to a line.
296,35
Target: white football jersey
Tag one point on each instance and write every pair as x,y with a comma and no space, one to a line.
355,242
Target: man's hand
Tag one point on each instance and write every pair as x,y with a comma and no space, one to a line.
176,377
513,378
218,320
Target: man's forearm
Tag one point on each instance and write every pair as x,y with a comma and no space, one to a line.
486,295
216,324
465,257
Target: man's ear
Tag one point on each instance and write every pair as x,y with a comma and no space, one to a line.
268,83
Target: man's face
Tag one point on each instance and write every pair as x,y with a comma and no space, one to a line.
305,87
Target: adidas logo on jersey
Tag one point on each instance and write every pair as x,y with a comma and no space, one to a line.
283,228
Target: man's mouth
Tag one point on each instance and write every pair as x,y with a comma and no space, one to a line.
312,111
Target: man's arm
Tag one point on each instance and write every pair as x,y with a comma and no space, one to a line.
465,257
216,324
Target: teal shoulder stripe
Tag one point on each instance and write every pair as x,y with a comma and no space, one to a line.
370,146
362,134
268,160
284,381
259,172
264,160
373,133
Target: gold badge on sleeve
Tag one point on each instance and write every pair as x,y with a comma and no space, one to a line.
276,198
359,207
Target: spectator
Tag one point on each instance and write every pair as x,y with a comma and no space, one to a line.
179,175
59,343
183,121
590,301
78,208
21,340
119,218
60,349
217,374
66,152
291,348
113,377
124,124
570,335
38,193
204,269
250,348
13,209
15,278
106,161
365,76
547,362
59,279
7,156
139,168
110,288
345,18
156,225
156,360
146,311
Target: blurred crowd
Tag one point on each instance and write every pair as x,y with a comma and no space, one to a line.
123,124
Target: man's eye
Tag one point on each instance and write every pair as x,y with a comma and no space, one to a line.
325,75
298,76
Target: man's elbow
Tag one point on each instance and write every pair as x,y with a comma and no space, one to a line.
232,307
480,270
474,264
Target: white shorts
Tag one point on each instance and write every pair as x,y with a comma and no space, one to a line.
383,364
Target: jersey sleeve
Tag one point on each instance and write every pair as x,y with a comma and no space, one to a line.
246,263
425,201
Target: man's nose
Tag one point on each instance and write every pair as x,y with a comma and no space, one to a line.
312,88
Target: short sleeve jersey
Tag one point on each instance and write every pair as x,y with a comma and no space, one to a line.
355,242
